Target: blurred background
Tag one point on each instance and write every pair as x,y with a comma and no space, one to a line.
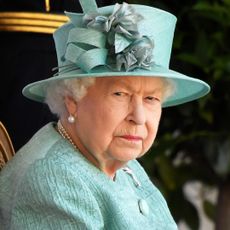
190,160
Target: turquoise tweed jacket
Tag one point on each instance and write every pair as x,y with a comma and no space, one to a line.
48,185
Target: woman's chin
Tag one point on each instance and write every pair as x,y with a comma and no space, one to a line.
126,155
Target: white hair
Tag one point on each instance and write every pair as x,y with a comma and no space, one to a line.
169,88
77,89
57,91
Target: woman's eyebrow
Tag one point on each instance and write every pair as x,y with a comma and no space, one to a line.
125,84
154,91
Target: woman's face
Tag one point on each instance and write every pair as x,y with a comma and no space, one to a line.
117,120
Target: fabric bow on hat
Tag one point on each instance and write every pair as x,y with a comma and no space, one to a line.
113,39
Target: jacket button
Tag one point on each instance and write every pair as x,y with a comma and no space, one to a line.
143,206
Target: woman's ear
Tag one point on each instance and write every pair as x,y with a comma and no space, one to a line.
71,105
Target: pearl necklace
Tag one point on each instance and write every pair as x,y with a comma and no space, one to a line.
64,134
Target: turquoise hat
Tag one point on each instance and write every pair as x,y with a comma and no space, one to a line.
118,40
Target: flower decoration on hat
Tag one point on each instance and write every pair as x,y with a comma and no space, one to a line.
113,39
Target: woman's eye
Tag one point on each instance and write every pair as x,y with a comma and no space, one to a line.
152,99
119,94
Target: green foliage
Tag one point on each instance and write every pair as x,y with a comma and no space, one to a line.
183,209
209,209
194,139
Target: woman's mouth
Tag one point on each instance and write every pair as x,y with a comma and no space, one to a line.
132,138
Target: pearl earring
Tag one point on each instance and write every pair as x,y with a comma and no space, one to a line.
71,119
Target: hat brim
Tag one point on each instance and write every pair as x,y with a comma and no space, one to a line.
187,88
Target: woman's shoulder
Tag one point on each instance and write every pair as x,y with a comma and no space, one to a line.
51,186
46,158
59,162
55,176
56,170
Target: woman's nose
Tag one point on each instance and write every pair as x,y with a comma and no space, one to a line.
137,113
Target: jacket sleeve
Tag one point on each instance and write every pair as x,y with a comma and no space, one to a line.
52,196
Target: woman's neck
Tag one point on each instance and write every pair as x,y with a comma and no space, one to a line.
109,167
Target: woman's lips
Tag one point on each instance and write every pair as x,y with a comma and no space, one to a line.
132,138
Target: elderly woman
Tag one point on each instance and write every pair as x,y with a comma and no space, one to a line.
112,82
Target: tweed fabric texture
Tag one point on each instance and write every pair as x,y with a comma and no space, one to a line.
48,185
